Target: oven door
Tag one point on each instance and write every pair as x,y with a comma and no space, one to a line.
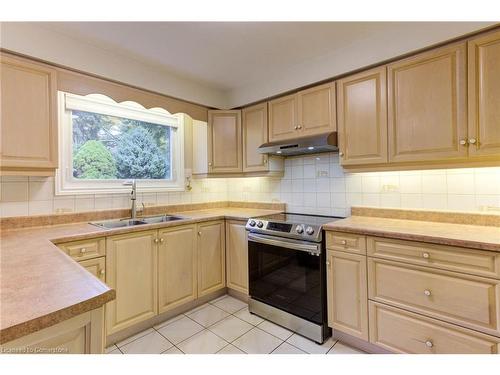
289,275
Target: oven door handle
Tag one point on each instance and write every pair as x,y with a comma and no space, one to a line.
288,244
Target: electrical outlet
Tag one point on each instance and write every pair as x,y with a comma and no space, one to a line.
322,173
388,188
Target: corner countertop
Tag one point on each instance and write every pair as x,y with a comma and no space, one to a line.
41,286
463,235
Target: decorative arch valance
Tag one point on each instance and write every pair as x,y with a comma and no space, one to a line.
82,84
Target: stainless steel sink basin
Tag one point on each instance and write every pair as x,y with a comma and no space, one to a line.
161,219
111,224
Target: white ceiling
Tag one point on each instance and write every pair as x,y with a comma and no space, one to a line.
251,60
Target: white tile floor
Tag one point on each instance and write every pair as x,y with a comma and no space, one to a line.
223,326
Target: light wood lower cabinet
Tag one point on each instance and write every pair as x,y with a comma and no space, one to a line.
177,266
347,294
96,267
403,332
82,334
237,256
211,257
131,264
470,301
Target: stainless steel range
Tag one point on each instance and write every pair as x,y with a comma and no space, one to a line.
287,272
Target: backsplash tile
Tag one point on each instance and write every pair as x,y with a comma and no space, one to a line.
311,184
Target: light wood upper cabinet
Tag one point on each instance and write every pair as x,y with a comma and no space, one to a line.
427,105
283,118
347,293
237,256
224,142
484,95
254,135
28,117
362,117
177,266
211,257
316,110
131,264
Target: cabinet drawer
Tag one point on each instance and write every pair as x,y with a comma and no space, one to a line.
352,243
404,332
461,299
85,249
476,262
96,267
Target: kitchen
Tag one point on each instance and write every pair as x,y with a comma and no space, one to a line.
344,209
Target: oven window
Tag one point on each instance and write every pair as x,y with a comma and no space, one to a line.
287,279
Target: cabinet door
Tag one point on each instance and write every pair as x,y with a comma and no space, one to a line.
347,293
176,267
254,135
237,256
427,106
316,110
28,115
362,115
224,142
131,265
211,257
484,95
283,118
96,267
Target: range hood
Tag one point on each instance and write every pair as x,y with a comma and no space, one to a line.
326,142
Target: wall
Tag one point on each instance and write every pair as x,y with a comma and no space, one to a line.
21,196
33,39
471,189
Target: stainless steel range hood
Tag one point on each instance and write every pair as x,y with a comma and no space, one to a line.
326,142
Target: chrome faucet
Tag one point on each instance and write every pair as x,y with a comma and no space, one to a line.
133,197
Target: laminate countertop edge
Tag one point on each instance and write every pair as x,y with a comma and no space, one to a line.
25,249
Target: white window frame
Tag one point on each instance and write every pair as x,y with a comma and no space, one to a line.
66,184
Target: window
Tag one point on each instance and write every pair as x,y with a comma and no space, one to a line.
104,143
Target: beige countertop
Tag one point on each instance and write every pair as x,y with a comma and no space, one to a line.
471,236
40,285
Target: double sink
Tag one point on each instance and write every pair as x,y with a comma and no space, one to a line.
111,224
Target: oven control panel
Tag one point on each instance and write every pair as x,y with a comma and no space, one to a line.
300,231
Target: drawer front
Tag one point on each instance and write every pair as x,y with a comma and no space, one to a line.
96,267
403,332
461,299
85,249
475,262
352,243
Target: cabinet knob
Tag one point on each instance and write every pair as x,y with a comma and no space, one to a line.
199,233
343,242
427,292
472,141
328,263
156,240
296,127
162,240
425,255
210,164
341,153
83,250
429,344
299,127
101,272
265,160
464,142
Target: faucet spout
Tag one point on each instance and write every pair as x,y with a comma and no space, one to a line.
133,197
